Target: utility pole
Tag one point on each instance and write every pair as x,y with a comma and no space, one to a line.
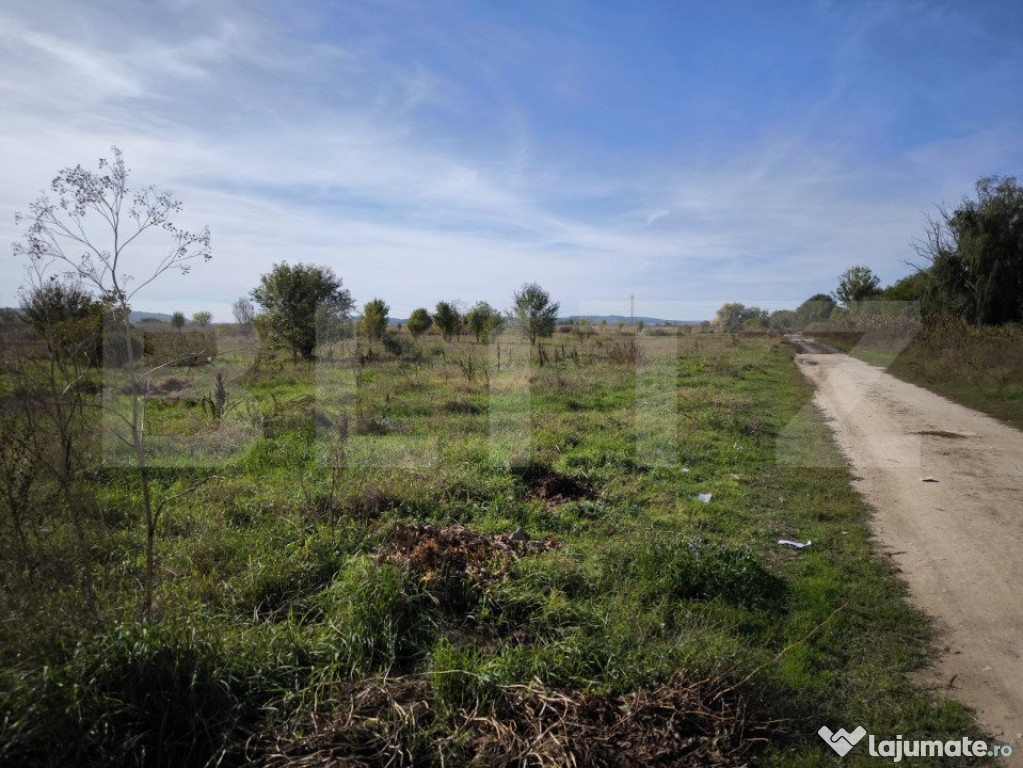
632,309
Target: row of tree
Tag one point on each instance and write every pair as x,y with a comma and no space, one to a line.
300,305
202,319
483,321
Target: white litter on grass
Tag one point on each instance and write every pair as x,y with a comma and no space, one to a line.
687,470
738,447
705,497
928,479
796,544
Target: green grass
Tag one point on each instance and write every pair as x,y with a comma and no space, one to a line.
272,597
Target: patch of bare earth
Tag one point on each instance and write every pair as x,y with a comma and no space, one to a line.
555,489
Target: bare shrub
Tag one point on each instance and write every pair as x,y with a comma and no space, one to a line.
626,352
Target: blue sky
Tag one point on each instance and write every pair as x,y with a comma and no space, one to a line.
686,153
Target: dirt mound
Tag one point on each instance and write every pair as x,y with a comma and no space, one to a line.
455,564
393,722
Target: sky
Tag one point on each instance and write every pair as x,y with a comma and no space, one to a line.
683,153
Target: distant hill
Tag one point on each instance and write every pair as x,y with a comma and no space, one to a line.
615,319
135,316
139,316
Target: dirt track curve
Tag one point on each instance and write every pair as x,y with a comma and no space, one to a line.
958,540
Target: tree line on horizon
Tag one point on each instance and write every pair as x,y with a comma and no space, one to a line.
303,304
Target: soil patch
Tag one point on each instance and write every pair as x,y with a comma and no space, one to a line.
553,488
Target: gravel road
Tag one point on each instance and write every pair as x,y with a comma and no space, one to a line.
957,538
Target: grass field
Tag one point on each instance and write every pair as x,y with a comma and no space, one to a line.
350,574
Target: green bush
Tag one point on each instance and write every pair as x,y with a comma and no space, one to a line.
402,347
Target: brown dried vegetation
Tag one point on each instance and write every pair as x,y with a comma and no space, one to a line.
394,722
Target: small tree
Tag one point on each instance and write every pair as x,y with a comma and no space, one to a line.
244,314
66,316
857,284
62,233
815,309
733,317
447,319
298,301
782,320
756,318
56,302
374,318
202,319
535,313
419,322
483,320
178,320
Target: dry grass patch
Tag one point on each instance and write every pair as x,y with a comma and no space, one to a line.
395,722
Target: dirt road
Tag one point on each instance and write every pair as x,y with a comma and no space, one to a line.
958,540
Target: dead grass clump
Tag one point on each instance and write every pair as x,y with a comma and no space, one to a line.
455,564
394,722
624,353
375,723
446,551
680,723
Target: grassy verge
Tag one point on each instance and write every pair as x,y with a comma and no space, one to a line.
981,368
356,581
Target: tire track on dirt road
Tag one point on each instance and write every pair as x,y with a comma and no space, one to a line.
958,540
